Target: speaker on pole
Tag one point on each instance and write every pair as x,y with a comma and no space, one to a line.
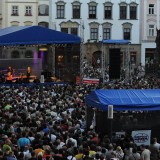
110,119
110,111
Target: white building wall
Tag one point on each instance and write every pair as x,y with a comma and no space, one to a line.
43,18
21,18
148,42
117,31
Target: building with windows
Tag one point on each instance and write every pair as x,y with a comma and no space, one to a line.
0,14
19,13
150,21
43,13
95,20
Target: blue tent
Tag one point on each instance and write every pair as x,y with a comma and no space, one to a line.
131,99
29,35
116,41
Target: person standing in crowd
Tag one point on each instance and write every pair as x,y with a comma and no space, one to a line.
23,141
28,74
154,149
145,155
135,155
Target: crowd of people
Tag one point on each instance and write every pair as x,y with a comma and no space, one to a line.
48,122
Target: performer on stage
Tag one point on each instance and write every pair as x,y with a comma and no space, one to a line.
9,73
28,74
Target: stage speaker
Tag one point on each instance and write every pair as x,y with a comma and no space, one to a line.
110,111
8,81
114,63
48,80
36,81
25,80
46,74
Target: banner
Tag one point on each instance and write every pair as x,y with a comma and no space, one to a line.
90,81
142,137
78,80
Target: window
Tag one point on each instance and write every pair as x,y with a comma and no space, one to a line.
106,33
14,10
60,11
151,8
65,30
127,34
69,27
15,54
14,23
108,12
76,11
123,12
28,11
28,54
28,23
133,12
151,30
94,33
43,10
92,10
74,31
43,24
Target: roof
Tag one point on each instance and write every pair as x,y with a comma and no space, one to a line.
32,35
112,41
129,99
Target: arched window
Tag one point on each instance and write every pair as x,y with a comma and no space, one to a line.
94,30
28,54
69,27
127,30
43,10
43,24
14,23
92,9
28,23
107,30
15,54
123,10
108,10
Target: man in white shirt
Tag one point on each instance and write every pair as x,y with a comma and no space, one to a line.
145,155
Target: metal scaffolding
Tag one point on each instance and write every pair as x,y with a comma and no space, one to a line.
82,50
127,58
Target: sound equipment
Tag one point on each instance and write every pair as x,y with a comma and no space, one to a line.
36,81
48,80
110,111
46,74
114,63
8,81
25,80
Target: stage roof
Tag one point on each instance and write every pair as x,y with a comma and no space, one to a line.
122,100
34,35
112,41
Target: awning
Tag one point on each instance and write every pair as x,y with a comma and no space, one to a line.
34,35
111,41
125,99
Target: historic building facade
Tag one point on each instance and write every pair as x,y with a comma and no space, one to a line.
94,21
24,13
150,21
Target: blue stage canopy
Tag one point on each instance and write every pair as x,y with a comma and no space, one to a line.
122,100
111,41
30,35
